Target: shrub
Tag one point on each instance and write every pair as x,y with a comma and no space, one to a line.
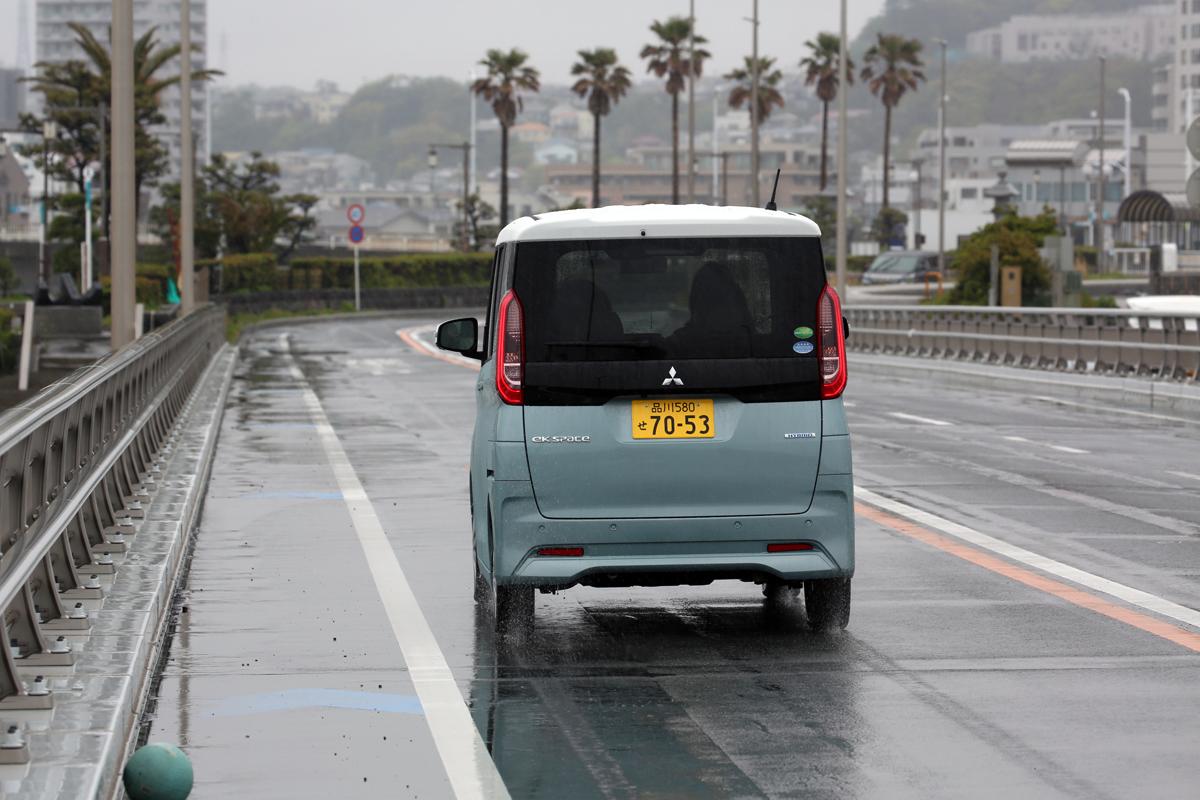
252,272
8,278
1018,239
10,342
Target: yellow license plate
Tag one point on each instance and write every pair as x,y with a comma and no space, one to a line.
674,419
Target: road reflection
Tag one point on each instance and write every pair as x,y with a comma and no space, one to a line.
632,697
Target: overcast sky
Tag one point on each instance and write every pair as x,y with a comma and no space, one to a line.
297,42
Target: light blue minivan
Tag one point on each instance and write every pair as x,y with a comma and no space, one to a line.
660,404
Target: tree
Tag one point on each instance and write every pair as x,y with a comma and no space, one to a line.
507,76
71,92
478,212
670,58
603,82
1018,239
239,210
888,227
8,277
822,70
892,67
742,93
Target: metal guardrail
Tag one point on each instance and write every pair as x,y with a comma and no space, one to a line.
76,464
1163,345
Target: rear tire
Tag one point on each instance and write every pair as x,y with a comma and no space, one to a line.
481,586
514,609
827,604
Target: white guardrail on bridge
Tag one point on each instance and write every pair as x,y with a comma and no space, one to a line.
76,464
1163,345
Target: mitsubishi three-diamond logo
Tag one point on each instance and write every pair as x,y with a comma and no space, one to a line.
672,380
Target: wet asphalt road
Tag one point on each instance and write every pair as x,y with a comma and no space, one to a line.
956,678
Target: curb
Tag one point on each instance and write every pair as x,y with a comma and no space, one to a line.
1144,395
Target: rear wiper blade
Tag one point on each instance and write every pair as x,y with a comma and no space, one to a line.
626,345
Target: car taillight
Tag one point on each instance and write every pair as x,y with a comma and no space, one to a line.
510,353
831,344
789,547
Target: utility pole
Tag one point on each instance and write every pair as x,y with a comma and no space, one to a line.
942,167
692,101
187,166
49,131
918,239
1099,229
843,249
754,165
124,200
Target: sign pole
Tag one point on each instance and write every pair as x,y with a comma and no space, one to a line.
357,285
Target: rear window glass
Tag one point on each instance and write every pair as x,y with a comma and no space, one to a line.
674,299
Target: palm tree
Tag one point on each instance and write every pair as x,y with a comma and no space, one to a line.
670,58
88,84
769,97
892,68
507,76
603,82
821,65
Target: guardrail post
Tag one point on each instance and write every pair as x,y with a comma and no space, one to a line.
26,347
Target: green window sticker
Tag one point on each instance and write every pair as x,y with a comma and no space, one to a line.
803,333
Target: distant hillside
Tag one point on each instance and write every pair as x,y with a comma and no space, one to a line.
952,20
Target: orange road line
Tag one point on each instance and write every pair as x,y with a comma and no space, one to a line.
1078,597
411,341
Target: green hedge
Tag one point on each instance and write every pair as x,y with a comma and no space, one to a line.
10,343
260,272
150,286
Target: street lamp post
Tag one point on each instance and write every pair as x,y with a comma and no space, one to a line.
754,165
1128,142
1099,227
942,166
124,192
692,101
843,249
187,197
466,148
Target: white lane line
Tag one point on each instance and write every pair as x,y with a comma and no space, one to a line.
469,766
1136,597
849,404
1188,475
1062,448
417,336
915,418
1112,409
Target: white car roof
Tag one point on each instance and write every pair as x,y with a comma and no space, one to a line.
629,222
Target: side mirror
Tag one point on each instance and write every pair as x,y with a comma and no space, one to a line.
846,329
460,336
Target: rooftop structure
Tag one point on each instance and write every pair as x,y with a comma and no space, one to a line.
1145,35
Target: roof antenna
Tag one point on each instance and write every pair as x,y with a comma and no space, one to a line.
771,204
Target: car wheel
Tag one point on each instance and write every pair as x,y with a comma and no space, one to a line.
827,603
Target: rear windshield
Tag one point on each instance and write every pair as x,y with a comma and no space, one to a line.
605,317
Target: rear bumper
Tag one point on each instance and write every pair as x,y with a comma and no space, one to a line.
673,550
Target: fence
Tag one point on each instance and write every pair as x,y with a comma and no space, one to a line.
76,464
1161,345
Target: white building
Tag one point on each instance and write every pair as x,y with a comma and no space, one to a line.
56,43
1146,35
1185,69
